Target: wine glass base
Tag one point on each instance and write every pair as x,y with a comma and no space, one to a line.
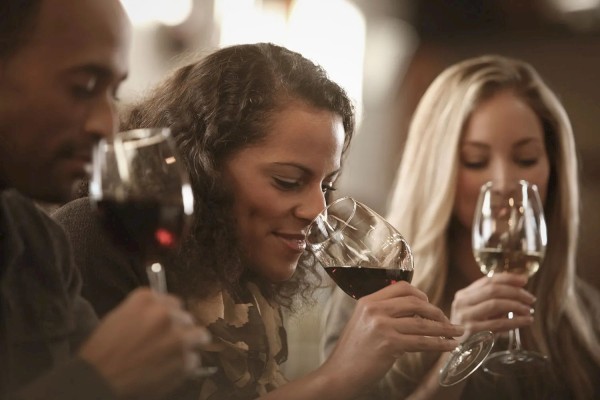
466,358
519,363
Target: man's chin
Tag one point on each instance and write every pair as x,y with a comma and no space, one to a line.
58,193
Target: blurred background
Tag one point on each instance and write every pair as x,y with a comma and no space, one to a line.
385,53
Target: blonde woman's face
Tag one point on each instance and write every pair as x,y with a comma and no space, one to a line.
503,142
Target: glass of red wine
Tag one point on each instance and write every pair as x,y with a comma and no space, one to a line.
364,253
140,192
142,196
359,249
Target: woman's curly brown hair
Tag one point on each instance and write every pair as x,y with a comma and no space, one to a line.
215,108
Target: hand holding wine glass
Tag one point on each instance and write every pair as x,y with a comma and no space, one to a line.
365,255
141,195
509,235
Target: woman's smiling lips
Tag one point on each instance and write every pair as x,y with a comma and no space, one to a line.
294,241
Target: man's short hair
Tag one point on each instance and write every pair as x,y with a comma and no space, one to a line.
17,21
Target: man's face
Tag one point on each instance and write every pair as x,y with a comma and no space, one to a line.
57,95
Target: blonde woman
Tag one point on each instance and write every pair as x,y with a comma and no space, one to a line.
491,118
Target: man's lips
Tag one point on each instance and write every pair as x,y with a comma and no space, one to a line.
81,162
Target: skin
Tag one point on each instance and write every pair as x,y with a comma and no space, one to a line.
280,185
58,95
57,98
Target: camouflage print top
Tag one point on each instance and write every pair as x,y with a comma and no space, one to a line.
250,345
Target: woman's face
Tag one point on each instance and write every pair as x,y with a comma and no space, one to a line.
503,142
279,186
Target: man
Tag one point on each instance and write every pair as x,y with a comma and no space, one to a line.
61,63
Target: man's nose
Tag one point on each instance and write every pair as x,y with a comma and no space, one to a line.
102,120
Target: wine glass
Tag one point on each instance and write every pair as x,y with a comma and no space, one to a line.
358,249
509,235
141,194
364,253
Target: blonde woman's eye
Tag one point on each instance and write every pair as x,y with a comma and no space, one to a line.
528,162
474,164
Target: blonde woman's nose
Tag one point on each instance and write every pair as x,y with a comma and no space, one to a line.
504,179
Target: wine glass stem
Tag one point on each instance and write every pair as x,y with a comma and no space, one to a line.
156,277
514,338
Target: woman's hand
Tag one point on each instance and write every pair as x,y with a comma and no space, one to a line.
485,304
385,325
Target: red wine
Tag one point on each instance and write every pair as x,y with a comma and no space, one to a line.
359,282
144,228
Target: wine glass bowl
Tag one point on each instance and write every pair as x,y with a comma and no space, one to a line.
358,248
141,195
509,235
509,231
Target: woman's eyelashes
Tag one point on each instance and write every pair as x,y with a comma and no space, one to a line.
523,162
328,187
287,184
474,164
294,184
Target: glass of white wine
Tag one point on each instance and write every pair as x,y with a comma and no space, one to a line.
509,235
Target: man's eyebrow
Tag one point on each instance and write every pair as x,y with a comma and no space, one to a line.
97,70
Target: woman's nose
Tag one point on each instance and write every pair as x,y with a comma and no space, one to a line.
504,178
311,205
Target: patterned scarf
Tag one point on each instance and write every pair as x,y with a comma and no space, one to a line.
250,345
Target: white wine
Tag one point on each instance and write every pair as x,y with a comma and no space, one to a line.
492,261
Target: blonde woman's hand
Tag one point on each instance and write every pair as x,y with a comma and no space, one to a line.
385,325
485,304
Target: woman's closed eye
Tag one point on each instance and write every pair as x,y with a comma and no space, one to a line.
287,184
293,184
475,164
328,187
527,162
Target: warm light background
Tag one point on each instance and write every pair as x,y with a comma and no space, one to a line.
385,53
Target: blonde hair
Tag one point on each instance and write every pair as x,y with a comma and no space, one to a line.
422,203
